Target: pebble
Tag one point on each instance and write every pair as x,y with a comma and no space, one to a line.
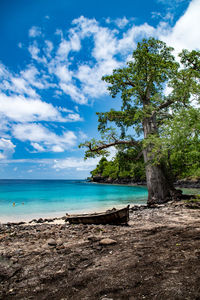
51,242
107,241
59,242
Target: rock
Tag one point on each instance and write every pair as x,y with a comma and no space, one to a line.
49,220
107,241
40,220
51,242
59,242
93,238
33,221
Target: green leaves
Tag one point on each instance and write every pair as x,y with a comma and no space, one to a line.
168,122
181,137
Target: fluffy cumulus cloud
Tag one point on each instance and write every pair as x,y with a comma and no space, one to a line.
42,139
185,33
110,47
108,52
21,109
21,103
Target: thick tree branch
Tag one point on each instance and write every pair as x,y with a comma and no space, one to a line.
104,146
165,104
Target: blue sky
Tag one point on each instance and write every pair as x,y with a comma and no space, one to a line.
52,57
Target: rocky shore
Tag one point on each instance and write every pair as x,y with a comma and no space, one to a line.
179,183
156,256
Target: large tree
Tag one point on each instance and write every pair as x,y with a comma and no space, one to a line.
141,85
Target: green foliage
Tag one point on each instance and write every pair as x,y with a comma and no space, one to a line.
181,143
122,166
166,127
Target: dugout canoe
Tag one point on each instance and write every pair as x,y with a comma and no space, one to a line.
113,217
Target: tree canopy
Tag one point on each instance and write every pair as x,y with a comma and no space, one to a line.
147,108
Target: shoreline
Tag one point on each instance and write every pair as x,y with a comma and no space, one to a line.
156,255
56,217
184,183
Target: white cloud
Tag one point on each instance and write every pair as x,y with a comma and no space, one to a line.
23,83
73,118
64,49
7,148
31,75
74,93
72,44
20,86
63,73
90,78
85,27
42,139
59,66
34,31
38,147
106,46
48,48
185,33
108,50
58,148
119,22
76,163
21,109
129,39
79,163
34,50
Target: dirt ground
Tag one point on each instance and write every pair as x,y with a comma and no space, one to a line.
157,256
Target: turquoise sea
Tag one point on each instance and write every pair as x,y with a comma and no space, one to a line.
27,199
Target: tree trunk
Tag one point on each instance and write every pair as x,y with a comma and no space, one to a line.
160,189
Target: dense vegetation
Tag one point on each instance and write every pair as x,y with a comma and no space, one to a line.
161,127
180,144
122,166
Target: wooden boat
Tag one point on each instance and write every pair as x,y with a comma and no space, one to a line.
114,217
